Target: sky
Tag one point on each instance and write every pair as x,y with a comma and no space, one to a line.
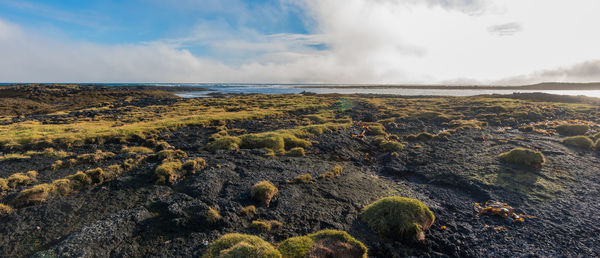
502,42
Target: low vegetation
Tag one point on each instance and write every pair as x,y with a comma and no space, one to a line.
376,129
524,157
241,245
296,152
89,158
304,179
167,172
13,156
63,186
168,155
335,171
248,210
390,146
224,143
580,141
194,165
34,195
5,209
572,129
263,226
264,192
212,215
325,243
48,153
137,150
398,216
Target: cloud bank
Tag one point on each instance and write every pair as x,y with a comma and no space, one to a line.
349,41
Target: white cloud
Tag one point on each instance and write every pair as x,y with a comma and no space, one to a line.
588,71
375,41
506,29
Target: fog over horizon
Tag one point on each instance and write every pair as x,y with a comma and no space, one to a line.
431,42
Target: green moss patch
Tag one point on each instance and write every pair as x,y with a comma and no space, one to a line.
582,142
264,192
398,216
572,129
167,173
224,143
241,245
524,157
325,243
388,146
296,152
5,209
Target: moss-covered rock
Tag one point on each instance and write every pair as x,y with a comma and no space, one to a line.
62,186
296,152
524,157
376,129
388,146
572,129
304,179
168,155
582,142
325,243
167,173
224,143
5,209
79,180
212,215
259,141
194,165
34,195
96,175
241,245
264,192
398,216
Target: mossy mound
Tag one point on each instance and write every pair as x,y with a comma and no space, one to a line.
194,165
62,186
582,142
325,243
241,245
171,154
34,195
388,146
79,180
572,129
212,215
248,210
278,142
264,192
136,150
167,172
376,129
20,179
5,209
304,179
524,157
398,216
224,143
296,152
96,175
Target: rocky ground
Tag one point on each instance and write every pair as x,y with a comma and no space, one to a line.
129,215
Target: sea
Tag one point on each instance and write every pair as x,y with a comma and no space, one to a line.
228,88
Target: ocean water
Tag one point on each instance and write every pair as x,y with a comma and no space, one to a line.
297,88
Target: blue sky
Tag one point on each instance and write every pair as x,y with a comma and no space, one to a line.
300,41
130,22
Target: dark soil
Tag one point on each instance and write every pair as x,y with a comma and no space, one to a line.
131,217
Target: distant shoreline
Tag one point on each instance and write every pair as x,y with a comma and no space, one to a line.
540,86
188,87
